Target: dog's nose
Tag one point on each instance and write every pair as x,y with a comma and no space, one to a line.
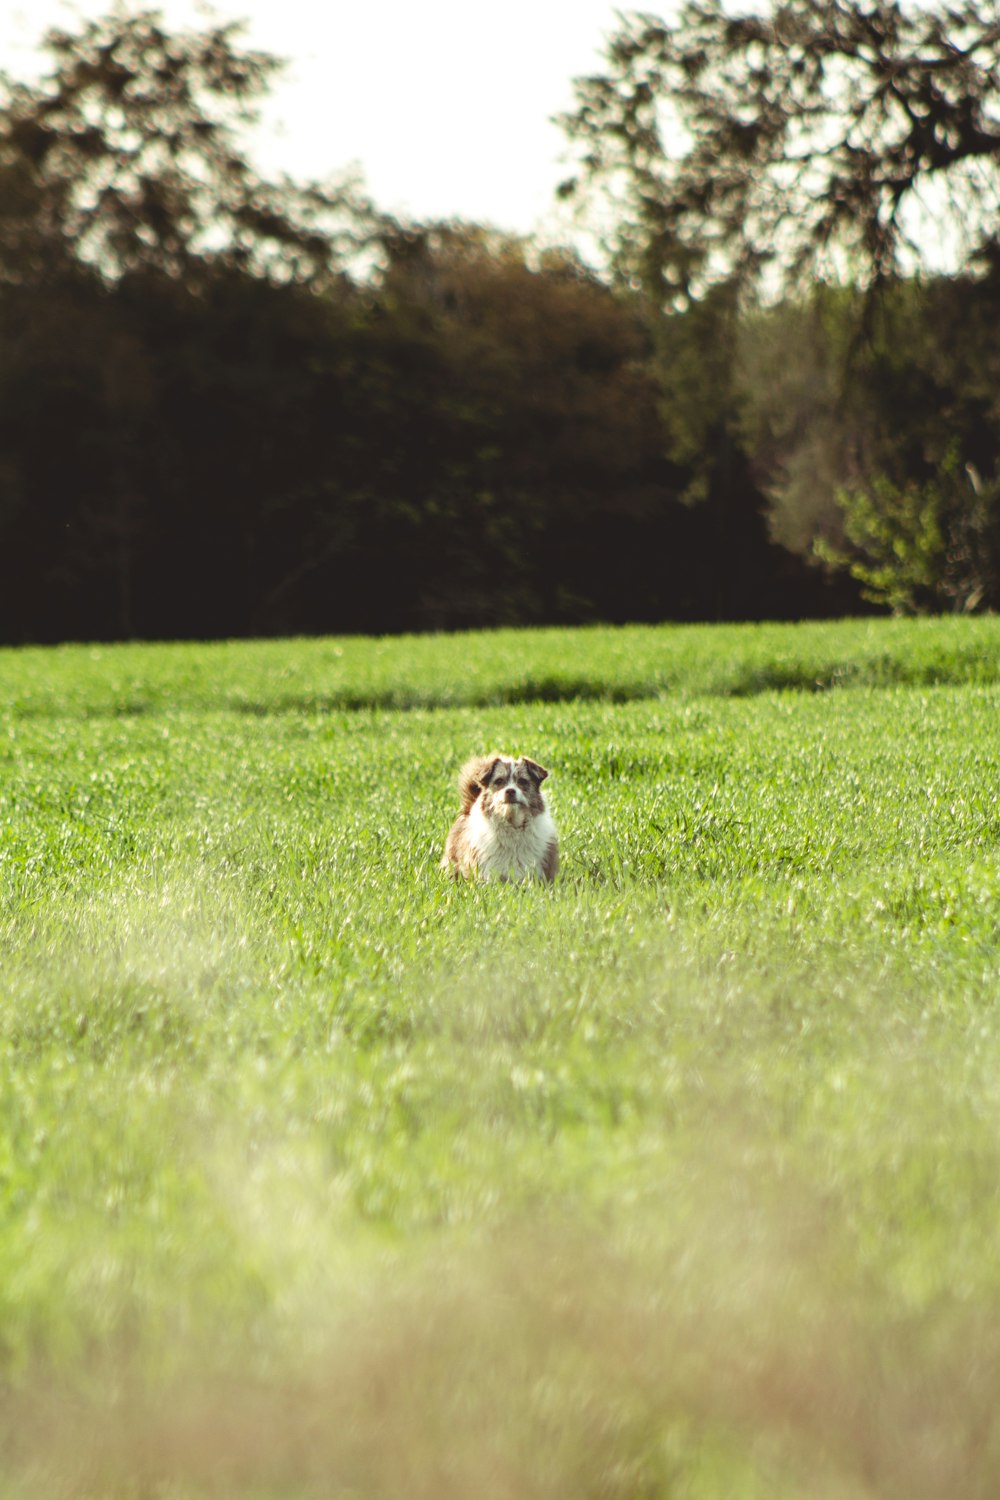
511,794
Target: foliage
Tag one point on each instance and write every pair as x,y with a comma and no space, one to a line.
924,547
805,152
127,159
320,1172
806,411
473,439
806,137
210,427
863,416
529,429
900,546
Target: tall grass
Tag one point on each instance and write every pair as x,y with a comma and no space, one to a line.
320,1174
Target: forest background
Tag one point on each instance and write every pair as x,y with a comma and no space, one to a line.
231,406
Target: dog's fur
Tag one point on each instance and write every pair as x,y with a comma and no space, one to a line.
504,830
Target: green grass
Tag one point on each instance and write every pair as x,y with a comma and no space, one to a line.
323,1175
501,668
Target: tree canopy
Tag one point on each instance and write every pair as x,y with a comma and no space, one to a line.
852,138
127,158
216,419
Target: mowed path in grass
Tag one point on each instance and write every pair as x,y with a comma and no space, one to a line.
681,1176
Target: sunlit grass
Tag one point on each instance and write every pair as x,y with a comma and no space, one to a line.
501,667
322,1174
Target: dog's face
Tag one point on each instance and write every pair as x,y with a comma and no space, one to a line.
511,789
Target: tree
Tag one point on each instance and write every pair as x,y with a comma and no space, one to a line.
124,191
127,158
206,429
524,478
849,137
922,547
881,457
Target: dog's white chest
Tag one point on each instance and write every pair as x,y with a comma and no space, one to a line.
506,853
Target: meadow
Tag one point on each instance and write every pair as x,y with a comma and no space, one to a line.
323,1175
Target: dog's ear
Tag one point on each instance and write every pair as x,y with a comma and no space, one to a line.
473,777
534,770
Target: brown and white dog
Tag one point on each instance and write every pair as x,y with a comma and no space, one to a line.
504,831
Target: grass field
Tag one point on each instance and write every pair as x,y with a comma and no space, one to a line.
321,1175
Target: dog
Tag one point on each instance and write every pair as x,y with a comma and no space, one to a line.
504,830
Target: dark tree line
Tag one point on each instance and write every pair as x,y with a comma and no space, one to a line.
231,406
475,442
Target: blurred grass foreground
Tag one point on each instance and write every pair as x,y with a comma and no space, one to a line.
321,1174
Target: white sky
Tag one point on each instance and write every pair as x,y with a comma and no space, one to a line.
445,105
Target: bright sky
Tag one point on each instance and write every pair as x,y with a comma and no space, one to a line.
445,105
